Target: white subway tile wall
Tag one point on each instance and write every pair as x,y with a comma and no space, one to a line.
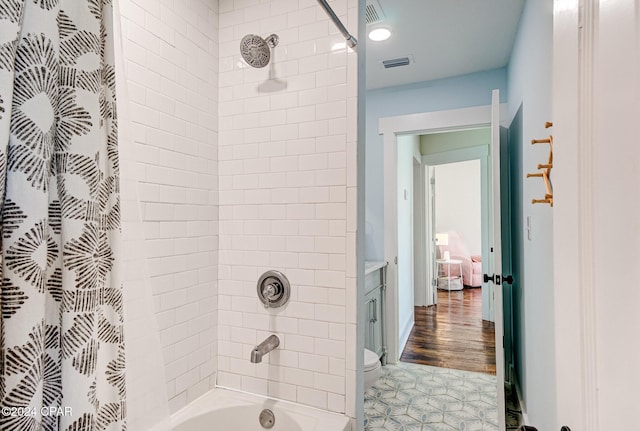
287,182
170,50
283,174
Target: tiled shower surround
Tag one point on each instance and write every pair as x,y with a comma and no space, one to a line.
169,170
236,174
287,178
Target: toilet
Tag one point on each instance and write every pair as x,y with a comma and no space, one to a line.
372,368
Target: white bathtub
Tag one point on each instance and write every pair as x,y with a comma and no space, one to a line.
222,409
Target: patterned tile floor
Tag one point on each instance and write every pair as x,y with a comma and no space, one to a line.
411,397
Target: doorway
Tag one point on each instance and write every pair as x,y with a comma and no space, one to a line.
457,207
455,333
470,140
394,130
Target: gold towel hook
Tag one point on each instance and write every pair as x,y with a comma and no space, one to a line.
546,169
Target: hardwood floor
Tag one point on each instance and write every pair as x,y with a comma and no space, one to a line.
453,334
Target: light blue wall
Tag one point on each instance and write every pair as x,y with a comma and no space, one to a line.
451,93
527,82
407,147
529,74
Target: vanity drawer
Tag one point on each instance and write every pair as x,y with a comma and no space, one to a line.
372,281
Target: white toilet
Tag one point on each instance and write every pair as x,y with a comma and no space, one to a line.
372,368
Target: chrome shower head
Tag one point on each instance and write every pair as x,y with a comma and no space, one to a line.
256,51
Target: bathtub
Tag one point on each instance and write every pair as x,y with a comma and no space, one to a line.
222,409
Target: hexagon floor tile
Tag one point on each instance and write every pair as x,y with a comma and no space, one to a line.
412,397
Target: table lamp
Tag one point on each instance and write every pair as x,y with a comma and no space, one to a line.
443,239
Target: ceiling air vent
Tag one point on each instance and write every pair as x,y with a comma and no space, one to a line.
373,12
396,62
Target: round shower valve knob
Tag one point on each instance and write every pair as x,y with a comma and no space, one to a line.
273,289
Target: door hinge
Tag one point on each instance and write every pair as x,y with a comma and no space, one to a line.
395,260
580,20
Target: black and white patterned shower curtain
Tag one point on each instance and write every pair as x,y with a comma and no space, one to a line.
62,347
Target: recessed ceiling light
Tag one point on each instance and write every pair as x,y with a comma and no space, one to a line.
379,34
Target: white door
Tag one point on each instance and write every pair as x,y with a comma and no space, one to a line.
495,262
596,94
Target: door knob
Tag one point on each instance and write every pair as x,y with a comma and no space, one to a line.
494,278
507,279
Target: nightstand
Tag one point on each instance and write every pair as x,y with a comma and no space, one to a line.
445,280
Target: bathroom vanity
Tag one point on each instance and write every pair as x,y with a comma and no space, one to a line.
374,292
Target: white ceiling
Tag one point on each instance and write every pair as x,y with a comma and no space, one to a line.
444,37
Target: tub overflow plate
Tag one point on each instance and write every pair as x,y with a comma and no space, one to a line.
267,419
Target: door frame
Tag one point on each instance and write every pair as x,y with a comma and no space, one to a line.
420,271
430,232
595,103
413,124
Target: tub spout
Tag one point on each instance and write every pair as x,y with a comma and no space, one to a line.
263,348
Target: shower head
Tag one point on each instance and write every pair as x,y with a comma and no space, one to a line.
256,51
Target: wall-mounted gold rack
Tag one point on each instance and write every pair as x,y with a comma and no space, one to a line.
545,173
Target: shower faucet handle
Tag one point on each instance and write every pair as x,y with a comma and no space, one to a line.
273,289
271,293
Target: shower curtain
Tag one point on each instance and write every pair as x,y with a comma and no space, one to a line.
62,346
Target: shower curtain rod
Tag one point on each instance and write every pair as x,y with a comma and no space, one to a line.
351,41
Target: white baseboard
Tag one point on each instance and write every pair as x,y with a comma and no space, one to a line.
404,335
523,407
